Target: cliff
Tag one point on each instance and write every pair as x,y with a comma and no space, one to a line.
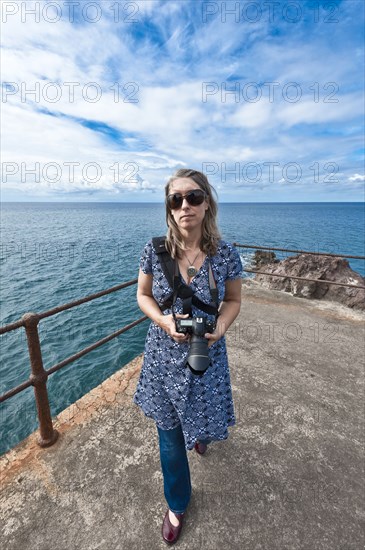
329,268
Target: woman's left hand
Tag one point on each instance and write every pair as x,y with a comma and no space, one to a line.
228,311
214,336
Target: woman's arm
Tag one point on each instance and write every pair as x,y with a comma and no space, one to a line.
149,306
145,299
230,308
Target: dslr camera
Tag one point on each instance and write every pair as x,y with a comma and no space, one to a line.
198,358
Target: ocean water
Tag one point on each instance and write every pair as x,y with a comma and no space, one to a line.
53,253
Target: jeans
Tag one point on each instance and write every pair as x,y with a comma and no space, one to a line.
175,468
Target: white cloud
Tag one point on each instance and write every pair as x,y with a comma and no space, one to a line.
170,125
357,177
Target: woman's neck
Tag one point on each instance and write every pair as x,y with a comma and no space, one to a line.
192,240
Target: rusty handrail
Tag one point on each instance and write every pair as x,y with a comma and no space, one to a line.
300,251
301,278
38,378
68,360
58,309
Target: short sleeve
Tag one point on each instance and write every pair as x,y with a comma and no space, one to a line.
234,264
145,262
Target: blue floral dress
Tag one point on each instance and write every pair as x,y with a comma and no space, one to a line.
167,390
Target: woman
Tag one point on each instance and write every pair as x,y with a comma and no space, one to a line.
190,411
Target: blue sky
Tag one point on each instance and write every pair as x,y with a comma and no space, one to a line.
103,101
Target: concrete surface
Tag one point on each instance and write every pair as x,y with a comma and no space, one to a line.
289,477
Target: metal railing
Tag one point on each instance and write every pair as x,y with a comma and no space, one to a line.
301,252
38,378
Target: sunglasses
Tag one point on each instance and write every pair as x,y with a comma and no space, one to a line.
194,198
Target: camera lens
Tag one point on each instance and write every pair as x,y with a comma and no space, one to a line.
198,358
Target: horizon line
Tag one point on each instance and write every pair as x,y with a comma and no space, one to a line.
162,203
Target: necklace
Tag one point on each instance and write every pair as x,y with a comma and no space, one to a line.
192,271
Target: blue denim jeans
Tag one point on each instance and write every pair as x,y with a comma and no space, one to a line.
175,468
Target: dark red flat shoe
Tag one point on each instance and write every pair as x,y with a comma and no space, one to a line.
170,533
200,447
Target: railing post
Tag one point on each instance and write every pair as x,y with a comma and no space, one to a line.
48,435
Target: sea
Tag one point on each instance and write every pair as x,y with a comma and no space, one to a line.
54,253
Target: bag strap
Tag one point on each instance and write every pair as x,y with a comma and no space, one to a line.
167,263
179,289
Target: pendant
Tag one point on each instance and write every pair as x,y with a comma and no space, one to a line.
191,271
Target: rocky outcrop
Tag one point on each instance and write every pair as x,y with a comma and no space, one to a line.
329,268
262,257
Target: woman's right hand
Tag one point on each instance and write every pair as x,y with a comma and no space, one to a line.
167,323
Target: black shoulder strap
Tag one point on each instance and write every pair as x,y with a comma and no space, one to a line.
171,271
167,263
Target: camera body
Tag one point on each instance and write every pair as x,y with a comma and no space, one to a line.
198,359
195,325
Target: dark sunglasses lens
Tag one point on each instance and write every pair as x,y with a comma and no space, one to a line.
195,197
174,201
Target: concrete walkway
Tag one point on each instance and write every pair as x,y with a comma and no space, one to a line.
289,477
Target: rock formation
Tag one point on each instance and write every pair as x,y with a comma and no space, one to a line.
329,268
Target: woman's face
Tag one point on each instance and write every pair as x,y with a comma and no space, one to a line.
187,217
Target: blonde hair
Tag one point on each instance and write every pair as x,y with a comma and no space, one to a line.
210,233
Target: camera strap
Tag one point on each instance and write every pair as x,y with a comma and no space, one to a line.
170,267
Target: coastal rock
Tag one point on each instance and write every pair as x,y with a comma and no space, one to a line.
262,257
330,268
